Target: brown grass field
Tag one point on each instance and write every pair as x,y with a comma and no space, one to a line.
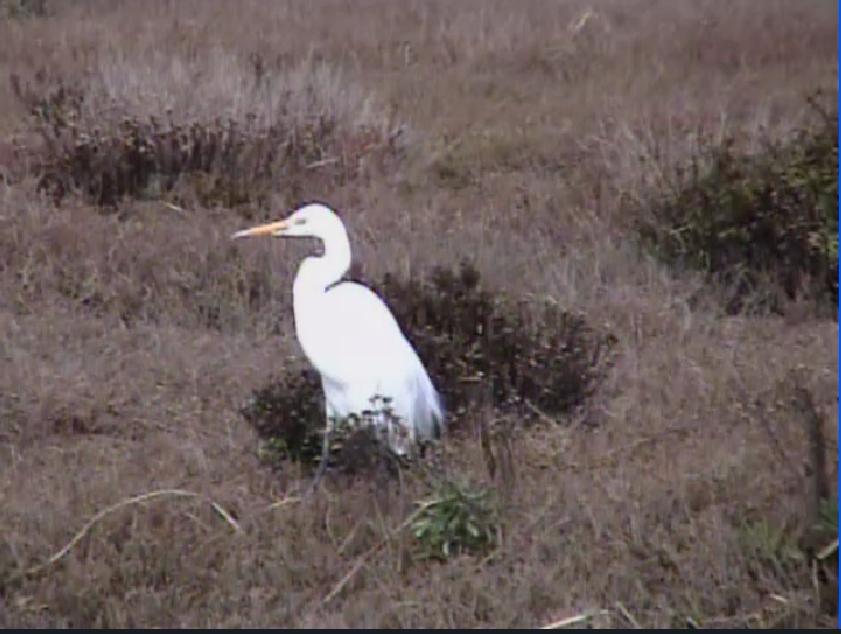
512,133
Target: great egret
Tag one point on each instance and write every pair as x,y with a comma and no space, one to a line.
348,333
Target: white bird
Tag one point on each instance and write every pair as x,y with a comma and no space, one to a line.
348,333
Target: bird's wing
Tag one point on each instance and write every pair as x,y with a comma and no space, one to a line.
361,345
364,314
355,333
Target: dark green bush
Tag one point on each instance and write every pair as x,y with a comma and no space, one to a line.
760,223
289,416
529,358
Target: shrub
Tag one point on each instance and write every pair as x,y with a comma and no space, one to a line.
288,415
757,223
109,148
530,358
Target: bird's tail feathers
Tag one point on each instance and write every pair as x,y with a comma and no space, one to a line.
431,405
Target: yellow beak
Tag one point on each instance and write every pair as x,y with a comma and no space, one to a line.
268,229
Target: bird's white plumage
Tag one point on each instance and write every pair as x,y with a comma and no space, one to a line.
350,336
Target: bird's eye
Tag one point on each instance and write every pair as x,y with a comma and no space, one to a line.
299,221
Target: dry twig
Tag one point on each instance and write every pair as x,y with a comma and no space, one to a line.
573,620
145,497
360,561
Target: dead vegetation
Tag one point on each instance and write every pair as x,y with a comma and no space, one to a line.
95,140
630,447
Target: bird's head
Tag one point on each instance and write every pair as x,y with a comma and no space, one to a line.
310,221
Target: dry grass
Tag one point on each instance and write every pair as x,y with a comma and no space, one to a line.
129,340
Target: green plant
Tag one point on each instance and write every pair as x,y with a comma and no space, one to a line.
759,222
457,518
827,522
287,415
826,526
770,545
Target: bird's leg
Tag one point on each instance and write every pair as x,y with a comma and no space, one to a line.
371,420
322,466
384,420
398,430
387,423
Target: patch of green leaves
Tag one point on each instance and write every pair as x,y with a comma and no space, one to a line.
770,545
457,518
828,517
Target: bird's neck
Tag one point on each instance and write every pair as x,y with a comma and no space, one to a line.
309,293
317,274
